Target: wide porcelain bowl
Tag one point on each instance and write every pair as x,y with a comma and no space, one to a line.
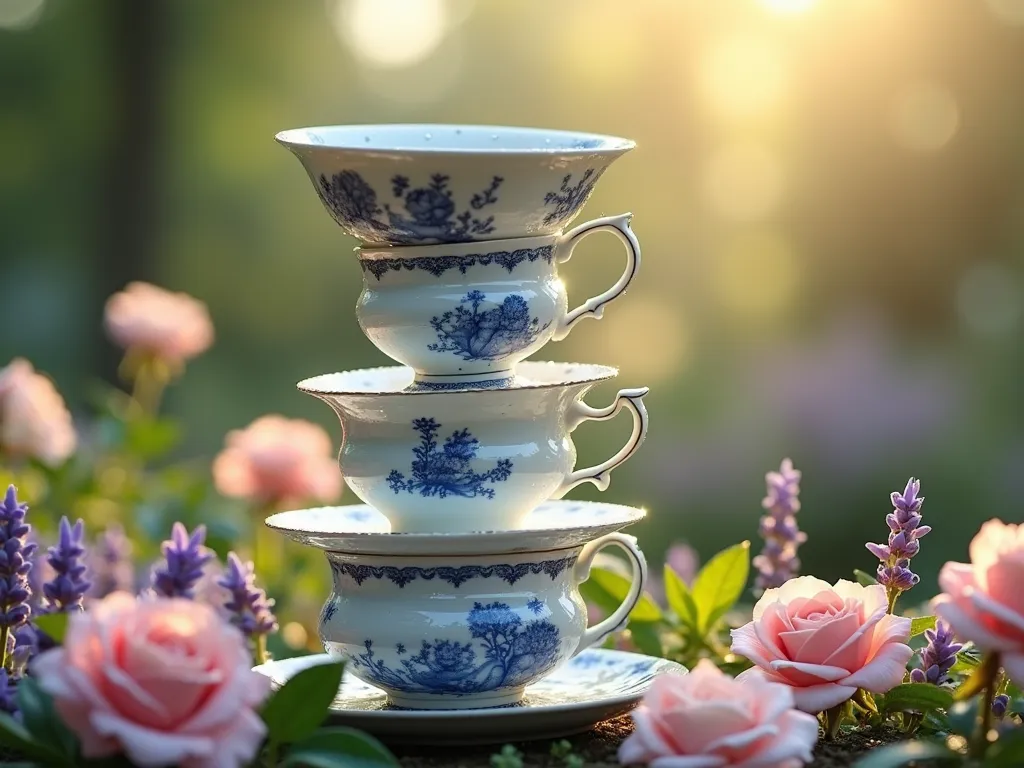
423,184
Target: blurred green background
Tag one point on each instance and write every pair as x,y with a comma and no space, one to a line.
829,195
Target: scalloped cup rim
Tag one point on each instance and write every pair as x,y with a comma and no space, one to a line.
355,138
394,379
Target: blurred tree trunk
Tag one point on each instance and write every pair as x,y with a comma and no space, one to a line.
128,222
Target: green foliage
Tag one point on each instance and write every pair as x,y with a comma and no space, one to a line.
339,748
298,707
907,753
41,736
719,585
509,757
680,600
921,624
865,579
962,716
53,624
608,591
915,697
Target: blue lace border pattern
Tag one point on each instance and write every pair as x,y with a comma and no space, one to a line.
449,386
456,576
438,265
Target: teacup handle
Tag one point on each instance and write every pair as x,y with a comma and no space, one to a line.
594,307
620,617
600,475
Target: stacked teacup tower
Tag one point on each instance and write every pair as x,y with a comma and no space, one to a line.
456,583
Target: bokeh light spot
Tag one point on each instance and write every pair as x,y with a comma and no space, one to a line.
757,275
988,299
621,342
390,33
20,14
924,117
294,634
743,77
788,6
744,182
1010,12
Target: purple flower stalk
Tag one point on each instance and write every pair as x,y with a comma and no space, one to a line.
66,591
938,656
904,531
248,604
1000,704
185,556
778,562
8,692
15,564
110,563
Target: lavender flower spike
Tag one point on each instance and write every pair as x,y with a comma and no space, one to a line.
66,591
15,563
904,531
185,558
249,607
938,656
778,562
110,563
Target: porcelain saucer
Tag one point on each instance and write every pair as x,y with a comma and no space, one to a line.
596,685
361,529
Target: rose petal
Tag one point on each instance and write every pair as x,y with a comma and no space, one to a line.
808,674
854,651
802,586
983,604
818,698
235,746
688,761
1013,665
149,748
967,625
745,642
885,671
798,733
742,739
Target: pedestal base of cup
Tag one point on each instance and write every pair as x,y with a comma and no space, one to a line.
490,380
455,701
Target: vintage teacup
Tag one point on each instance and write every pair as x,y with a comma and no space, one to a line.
420,184
469,459
474,310
465,632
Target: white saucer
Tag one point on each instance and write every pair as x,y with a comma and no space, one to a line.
361,529
592,687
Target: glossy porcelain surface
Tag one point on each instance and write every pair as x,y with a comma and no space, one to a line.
420,184
360,529
455,632
477,309
594,686
451,462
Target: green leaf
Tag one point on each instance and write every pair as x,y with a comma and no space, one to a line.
897,755
298,707
1007,751
966,661
719,584
921,624
917,697
981,677
339,748
53,624
679,598
963,717
16,737
647,639
608,590
41,720
152,438
864,579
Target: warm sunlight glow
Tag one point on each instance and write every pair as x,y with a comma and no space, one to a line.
788,6
924,117
391,33
744,182
757,275
1009,12
620,342
743,77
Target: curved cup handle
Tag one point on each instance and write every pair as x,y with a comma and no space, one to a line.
620,617
594,307
600,475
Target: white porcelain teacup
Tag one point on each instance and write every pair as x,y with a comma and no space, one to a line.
420,184
474,310
469,459
452,632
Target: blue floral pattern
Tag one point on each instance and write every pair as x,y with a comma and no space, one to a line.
447,471
508,653
473,333
454,575
570,197
420,213
438,265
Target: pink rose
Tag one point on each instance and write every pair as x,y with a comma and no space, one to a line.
147,319
165,681
279,461
706,719
34,421
983,601
825,641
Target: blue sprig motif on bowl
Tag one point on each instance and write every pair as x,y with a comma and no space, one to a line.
570,197
502,651
473,333
419,213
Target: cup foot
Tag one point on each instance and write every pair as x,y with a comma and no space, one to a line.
454,701
492,380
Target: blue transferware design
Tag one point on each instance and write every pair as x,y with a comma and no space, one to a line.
447,471
456,576
438,265
420,213
536,605
449,386
570,197
489,334
510,653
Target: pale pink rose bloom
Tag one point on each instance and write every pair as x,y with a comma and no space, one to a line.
171,326
706,719
278,460
34,421
825,641
983,601
165,681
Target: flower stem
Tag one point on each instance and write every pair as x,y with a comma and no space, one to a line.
260,652
833,719
979,745
4,656
893,597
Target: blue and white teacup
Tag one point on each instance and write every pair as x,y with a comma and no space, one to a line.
453,632
421,184
463,459
472,311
